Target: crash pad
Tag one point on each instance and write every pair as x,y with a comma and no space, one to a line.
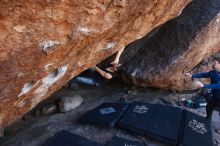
196,130
165,124
117,141
105,115
137,117
65,138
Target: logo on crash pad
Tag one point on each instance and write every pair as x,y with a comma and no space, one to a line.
107,110
140,109
197,126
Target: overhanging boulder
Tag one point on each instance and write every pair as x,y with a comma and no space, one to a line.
43,44
161,58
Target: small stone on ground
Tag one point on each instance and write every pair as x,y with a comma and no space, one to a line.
70,103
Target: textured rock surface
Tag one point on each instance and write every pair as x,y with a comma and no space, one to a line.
46,43
161,58
49,110
206,64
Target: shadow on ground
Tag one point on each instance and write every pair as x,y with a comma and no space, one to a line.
34,131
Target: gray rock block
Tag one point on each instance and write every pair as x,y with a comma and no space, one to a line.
69,103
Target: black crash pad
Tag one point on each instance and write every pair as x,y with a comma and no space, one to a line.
165,124
137,117
106,115
196,130
168,124
117,141
65,138
157,121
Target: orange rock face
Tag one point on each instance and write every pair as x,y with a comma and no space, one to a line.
46,43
